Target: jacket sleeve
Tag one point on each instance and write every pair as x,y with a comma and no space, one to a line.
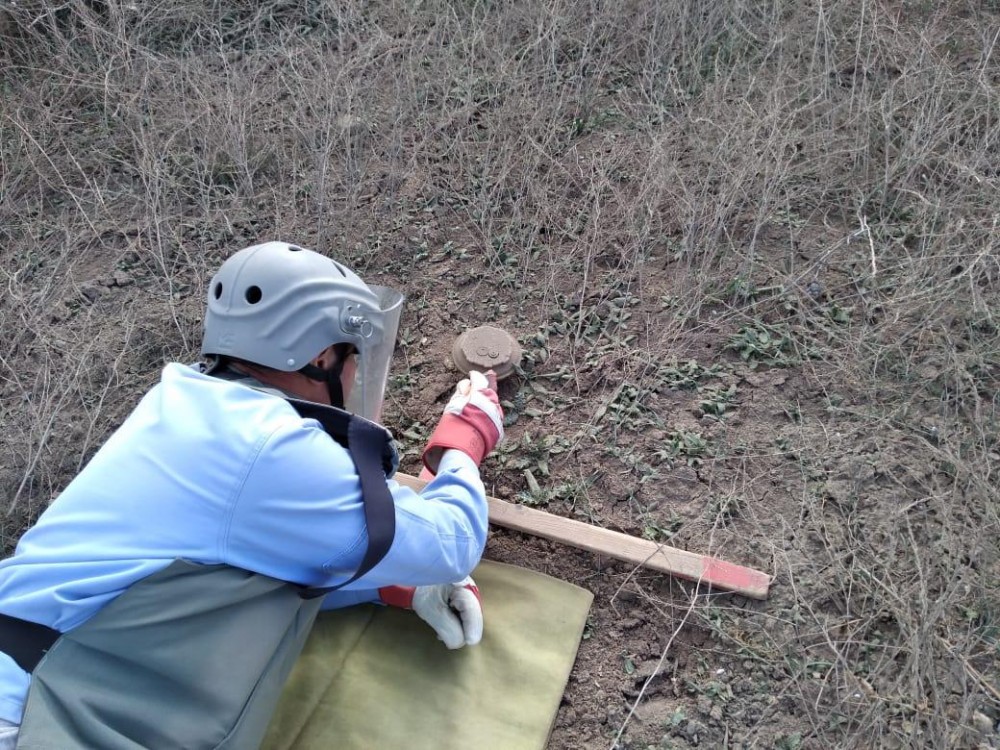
298,516
340,598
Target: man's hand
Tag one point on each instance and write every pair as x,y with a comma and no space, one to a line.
472,421
454,610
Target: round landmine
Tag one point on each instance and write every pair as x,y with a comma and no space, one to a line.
487,348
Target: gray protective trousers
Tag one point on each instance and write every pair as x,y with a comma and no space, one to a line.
191,657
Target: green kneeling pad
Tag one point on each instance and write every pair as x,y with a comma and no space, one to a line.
377,677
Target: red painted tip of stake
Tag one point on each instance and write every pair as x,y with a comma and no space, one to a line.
726,575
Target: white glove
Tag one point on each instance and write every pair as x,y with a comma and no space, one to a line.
479,390
453,610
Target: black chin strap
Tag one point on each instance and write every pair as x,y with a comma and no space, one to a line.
332,379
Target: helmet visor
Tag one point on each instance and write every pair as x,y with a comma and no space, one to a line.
365,398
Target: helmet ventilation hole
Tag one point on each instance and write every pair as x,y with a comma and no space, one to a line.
340,268
254,294
294,248
218,289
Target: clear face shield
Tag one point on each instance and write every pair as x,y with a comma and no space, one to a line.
365,398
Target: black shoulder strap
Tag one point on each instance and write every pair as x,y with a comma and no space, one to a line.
370,448
25,642
366,444
337,424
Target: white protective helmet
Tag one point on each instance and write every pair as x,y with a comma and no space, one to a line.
280,306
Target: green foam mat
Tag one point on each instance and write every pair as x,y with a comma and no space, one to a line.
377,677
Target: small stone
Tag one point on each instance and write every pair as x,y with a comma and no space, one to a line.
929,372
704,704
90,291
647,669
691,731
982,723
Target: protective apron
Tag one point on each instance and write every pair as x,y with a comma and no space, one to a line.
195,656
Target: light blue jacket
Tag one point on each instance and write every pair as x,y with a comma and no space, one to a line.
216,472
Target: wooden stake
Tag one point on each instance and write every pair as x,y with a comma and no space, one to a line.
708,571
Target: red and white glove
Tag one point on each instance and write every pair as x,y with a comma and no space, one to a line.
472,421
454,610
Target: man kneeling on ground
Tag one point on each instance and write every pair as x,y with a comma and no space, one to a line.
162,598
